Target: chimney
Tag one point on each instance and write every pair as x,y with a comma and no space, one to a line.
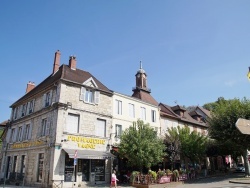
30,86
72,62
56,61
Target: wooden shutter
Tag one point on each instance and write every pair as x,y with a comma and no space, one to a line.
97,97
100,128
50,99
30,131
72,123
47,131
27,108
44,100
82,94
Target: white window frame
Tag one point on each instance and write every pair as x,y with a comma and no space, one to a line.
153,115
143,113
131,110
118,130
90,96
43,127
118,107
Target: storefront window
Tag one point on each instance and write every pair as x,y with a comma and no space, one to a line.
84,164
98,166
69,169
40,167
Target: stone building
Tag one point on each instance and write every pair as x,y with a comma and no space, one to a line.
59,131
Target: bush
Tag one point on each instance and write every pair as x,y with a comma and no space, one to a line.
133,175
153,174
169,172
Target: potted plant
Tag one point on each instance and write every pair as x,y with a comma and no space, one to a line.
134,174
153,174
176,175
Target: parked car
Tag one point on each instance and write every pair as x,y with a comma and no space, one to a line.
240,168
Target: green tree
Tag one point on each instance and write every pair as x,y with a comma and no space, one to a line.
173,145
141,146
222,124
187,144
193,144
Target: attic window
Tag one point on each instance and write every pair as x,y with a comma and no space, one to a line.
89,95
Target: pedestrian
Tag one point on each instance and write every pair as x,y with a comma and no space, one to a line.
113,179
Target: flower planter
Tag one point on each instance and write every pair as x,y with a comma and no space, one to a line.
165,179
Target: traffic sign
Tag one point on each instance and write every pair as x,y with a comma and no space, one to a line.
243,125
75,156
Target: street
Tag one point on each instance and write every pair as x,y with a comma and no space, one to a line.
215,182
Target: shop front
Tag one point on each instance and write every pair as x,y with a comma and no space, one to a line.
86,162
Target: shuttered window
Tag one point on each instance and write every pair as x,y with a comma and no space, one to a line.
143,113
72,123
100,128
118,107
131,110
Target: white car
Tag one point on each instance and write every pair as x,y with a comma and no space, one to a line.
240,168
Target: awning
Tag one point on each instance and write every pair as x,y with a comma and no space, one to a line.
88,154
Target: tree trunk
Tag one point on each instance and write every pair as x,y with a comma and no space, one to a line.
245,157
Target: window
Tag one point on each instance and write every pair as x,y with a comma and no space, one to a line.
89,95
16,112
31,106
100,128
131,110
26,132
118,107
24,110
72,123
153,115
143,113
47,97
43,128
19,134
13,135
40,167
22,166
118,131
14,164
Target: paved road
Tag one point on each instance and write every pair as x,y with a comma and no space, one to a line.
215,182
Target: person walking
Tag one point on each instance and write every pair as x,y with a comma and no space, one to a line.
113,179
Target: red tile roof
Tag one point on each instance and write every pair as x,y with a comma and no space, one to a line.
144,96
64,73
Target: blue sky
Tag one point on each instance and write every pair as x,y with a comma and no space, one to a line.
192,51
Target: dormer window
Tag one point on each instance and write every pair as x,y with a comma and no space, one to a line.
89,95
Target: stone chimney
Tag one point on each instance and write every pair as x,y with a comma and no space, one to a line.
56,61
30,86
72,62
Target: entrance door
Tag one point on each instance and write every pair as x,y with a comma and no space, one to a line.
85,169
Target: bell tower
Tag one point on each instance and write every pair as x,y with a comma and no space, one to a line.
141,80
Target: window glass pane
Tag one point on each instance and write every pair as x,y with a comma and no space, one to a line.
143,113
131,110
40,167
118,105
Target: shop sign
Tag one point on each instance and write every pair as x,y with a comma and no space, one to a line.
27,144
84,142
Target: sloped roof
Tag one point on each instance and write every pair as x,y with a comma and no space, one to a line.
64,73
186,116
4,123
145,96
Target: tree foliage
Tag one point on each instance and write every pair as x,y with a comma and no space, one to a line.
141,146
187,144
222,123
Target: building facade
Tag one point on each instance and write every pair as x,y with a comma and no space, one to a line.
59,131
